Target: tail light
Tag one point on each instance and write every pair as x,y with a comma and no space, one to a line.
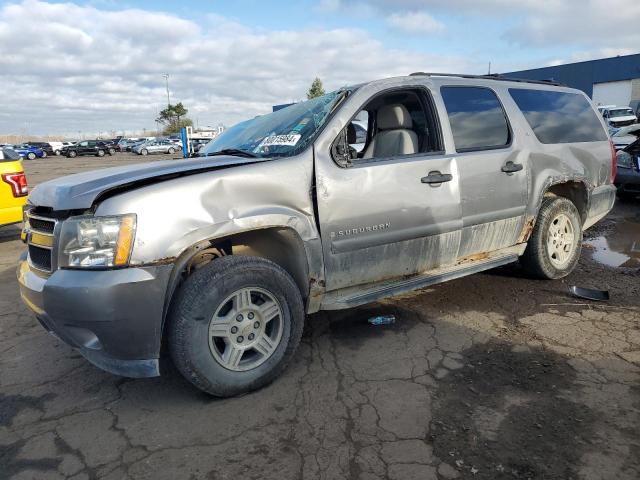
613,162
18,182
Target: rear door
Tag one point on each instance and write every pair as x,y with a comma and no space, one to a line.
492,166
384,218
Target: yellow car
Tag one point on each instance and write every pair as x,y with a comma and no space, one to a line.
13,187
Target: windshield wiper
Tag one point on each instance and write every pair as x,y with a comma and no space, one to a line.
232,151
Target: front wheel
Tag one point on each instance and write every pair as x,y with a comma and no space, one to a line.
556,241
57,152
100,153
144,151
235,325
112,151
72,154
44,154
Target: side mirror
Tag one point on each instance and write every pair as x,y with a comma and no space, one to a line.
340,150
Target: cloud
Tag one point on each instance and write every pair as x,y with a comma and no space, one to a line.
415,23
73,68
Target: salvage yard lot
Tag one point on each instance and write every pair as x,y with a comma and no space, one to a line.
487,377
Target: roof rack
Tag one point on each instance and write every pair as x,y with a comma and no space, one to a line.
492,76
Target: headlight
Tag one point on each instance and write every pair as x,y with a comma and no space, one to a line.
96,242
623,159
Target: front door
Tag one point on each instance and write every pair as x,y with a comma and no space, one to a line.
388,214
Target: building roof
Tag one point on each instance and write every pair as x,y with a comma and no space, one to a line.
583,75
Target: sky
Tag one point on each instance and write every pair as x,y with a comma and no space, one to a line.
82,68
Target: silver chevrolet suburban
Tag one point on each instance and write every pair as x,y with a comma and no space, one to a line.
215,261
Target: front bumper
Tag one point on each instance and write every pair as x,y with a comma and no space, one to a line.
113,317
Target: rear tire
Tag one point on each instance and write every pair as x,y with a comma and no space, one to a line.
31,156
171,151
144,151
44,154
554,248
57,152
235,325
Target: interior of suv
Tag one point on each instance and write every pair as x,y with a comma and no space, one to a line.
399,123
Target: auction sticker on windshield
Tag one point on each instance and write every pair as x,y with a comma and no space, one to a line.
286,140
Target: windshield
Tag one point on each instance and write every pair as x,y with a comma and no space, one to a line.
620,112
279,134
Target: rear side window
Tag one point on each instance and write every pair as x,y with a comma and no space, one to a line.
559,117
9,154
477,119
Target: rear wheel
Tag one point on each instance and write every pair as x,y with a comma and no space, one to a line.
57,152
172,151
44,154
235,325
31,156
144,151
555,244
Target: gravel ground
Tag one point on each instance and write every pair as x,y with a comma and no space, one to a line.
493,376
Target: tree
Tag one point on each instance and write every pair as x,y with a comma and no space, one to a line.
316,89
174,118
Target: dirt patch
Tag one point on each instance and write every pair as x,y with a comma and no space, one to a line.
505,414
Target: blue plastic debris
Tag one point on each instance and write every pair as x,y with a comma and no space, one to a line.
382,320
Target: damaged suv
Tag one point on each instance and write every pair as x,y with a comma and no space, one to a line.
215,261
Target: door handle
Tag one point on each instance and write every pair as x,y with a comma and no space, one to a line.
511,167
437,177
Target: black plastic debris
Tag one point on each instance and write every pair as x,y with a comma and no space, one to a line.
589,293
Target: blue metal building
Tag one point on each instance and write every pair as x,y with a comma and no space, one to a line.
614,80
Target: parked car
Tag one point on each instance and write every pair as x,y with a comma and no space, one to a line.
46,148
628,177
110,144
29,151
13,187
56,147
155,146
623,136
86,147
217,259
619,116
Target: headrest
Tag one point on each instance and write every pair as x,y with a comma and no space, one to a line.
394,116
351,134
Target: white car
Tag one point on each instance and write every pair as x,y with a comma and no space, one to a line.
623,136
619,116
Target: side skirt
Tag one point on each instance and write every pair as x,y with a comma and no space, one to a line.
363,294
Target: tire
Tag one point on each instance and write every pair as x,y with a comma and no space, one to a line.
112,151
72,154
172,151
144,151
215,288
31,156
57,152
554,248
100,153
44,154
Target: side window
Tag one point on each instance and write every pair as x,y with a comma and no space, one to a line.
559,117
402,122
477,119
84,144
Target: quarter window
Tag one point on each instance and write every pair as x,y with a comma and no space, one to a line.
477,119
559,117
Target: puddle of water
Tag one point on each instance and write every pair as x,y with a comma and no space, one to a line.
618,248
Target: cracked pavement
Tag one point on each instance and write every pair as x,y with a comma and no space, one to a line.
493,376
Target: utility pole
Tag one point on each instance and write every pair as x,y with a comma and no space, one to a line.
166,78
489,68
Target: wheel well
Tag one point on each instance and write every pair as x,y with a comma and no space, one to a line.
574,191
282,246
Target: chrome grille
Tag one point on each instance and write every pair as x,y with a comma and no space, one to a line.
40,232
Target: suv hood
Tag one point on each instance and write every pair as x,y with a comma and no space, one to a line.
82,190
